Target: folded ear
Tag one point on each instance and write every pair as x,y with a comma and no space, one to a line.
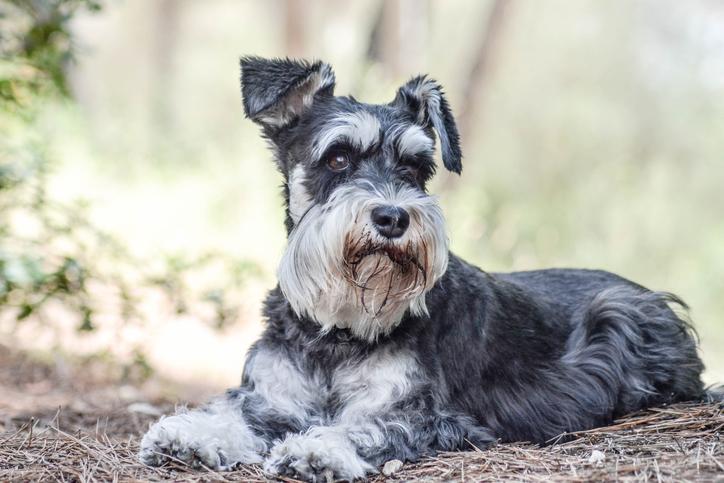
276,91
425,100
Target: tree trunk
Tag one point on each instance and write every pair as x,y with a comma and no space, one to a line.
484,63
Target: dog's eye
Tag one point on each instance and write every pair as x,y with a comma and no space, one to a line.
409,166
338,161
409,170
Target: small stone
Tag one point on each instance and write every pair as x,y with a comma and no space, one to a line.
391,467
596,457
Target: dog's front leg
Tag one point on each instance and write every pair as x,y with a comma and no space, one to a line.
322,453
216,436
353,449
237,428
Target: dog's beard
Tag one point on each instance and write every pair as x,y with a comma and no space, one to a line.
339,272
382,272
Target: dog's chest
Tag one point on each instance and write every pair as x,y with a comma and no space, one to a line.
373,385
354,389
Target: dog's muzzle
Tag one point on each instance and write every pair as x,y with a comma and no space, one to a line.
365,257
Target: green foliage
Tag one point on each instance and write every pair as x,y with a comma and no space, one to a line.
36,47
50,251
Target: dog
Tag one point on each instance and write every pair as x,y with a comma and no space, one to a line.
380,344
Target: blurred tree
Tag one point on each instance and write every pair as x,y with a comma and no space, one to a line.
36,46
483,64
295,23
398,36
35,49
50,250
166,18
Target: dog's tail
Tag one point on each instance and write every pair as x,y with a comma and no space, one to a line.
637,349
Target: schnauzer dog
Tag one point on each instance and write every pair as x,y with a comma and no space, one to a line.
382,344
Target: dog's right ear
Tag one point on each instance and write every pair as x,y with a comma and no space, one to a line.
277,91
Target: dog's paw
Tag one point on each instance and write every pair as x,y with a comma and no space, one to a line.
309,467
317,458
172,438
197,440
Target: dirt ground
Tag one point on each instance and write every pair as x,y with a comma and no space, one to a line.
62,422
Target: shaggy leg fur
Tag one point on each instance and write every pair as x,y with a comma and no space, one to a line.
214,437
352,450
217,437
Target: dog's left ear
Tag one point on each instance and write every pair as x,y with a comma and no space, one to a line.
277,91
425,99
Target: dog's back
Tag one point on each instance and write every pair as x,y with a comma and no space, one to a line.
553,351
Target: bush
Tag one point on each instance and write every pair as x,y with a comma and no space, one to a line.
50,251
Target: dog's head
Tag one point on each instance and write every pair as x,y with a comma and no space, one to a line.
366,240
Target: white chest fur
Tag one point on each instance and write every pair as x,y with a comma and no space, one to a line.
375,384
360,388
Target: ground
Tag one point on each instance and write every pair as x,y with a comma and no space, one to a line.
61,421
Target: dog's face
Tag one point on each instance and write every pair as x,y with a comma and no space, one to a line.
366,240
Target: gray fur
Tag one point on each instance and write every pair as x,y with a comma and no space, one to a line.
378,348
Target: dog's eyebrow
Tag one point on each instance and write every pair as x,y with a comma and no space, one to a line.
411,140
360,129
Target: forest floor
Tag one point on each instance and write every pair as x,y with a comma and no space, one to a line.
61,422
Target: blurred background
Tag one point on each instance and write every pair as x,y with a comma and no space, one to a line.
141,216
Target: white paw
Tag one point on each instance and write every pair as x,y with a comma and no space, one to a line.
317,455
201,439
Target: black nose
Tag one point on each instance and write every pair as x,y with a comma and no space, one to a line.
390,221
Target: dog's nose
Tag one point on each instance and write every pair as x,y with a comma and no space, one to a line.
390,221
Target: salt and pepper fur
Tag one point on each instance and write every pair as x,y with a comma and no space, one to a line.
378,349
